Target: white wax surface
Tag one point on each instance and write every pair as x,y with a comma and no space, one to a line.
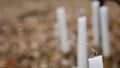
61,19
95,22
105,30
96,62
82,43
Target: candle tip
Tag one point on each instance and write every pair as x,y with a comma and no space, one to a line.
82,18
104,8
61,8
96,3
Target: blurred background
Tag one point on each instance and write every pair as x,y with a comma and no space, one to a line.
29,37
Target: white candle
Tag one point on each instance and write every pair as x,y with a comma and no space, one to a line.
82,43
105,30
61,19
95,22
96,62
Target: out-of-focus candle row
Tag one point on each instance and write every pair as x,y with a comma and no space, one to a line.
100,30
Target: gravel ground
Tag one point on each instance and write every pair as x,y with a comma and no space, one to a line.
29,37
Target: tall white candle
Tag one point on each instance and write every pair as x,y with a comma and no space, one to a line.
82,43
95,22
96,62
61,19
105,30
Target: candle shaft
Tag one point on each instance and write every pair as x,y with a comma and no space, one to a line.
105,30
95,22
61,19
82,43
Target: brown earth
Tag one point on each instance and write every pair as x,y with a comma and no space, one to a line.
28,36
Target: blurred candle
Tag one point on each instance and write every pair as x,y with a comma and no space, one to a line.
61,19
105,30
95,22
96,62
82,43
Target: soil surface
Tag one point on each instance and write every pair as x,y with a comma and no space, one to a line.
29,37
